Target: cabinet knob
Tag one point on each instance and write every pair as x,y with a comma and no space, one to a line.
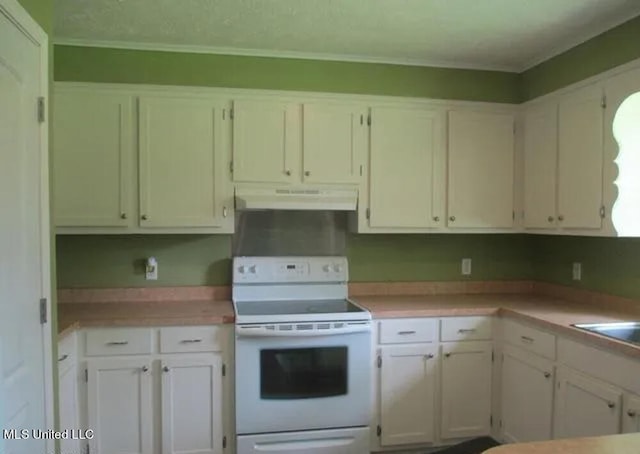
123,215
452,218
611,405
62,358
561,218
145,368
550,218
447,355
436,218
307,173
165,369
144,217
547,374
429,356
287,173
631,413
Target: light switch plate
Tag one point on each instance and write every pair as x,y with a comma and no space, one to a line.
466,267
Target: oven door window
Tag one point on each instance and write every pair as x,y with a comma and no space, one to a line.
303,373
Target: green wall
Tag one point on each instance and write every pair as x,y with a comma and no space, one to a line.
41,11
92,64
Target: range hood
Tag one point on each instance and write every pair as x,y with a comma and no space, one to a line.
300,198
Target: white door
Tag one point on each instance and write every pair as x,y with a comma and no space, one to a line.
580,158
585,407
527,397
333,141
192,421
466,389
631,414
119,406
406,150
92,148
540,166
182,162
407,394
24,257
481,172
68,403
266,142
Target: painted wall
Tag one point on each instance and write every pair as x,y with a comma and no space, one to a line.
41,11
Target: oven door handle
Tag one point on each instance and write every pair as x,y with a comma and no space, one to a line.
261,331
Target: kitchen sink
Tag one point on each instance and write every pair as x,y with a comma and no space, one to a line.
624,331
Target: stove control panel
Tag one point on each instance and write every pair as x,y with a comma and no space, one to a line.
286,270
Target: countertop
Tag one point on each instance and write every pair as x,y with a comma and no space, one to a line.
611,444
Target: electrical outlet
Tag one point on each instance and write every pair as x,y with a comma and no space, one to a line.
466,267
577,271
151,269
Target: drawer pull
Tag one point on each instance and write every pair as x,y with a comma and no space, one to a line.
165,369
145,368
467,330
62,358
526,339
403,333
547,374
631,413
611,405
114,343
190,341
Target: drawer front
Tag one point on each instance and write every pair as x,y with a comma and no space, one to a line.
466,328
531,339
119,341
405,331
191,339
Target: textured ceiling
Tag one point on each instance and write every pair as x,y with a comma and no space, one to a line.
497,34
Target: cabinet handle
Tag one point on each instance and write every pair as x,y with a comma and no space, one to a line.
307,173
403,333
144,217
62,358
466,330
447,355
287,172
561,218
429,356
452,218
547,374
117,343
526,339
190,341
123,215
145,369
550,218
436,218
611,405
224,212
631,413
165,369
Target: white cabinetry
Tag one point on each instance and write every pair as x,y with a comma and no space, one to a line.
466,389
585,406
481,170
631,414
68,391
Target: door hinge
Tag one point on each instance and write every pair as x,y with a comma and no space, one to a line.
379,361
361,170
493,356
602,212
231,115
224,370
369,120
513,215
231,166
491,420
224,442
41,109
86,375
378,430
224,114
368,213
361,119
43,311
604,101
514,128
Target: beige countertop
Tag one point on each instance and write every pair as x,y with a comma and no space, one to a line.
611,444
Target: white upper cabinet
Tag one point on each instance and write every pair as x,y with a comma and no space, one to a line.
407,155
266,141
333,143
541,166
481,170
580,160
92,147
181,162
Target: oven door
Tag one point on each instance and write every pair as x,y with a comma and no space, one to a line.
302,380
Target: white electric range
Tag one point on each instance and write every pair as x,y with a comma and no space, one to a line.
303,357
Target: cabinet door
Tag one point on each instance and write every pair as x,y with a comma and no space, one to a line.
119,406
466,389
580,159
68,406
192,421
527,397
266,142
407,394
585,406
407,146
92,152
481,170
333,137
540,166
181,162
631,414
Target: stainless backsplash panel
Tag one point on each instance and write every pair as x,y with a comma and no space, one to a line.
286,232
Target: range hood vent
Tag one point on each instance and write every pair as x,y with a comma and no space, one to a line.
251,198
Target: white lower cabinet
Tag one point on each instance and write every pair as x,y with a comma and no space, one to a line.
191,404
586,406
466,389
527,396
119,406
631,414
407,394
68,393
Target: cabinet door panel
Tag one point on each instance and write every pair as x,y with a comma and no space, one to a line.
541,166
92,146
407,399
119,406
181,162
527,397
466,389
405,146
68,406
481,172
192,421
631,414
585,407
266,142
332,143
580,161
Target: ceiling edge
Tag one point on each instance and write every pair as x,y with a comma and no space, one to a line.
279,54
